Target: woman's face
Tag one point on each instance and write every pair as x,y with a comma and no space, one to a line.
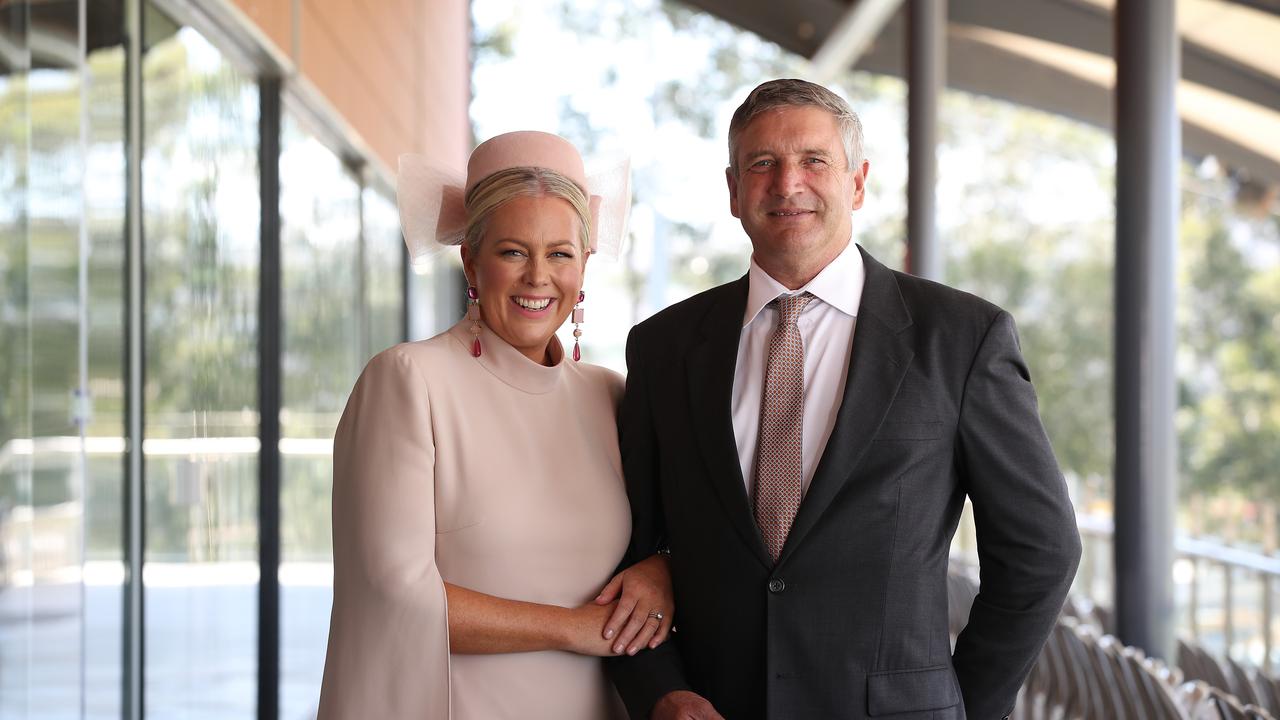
528,271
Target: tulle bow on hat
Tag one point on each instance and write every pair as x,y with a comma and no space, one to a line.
430,197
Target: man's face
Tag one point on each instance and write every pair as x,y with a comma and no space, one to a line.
794,192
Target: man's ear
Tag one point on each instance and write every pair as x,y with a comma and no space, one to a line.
860,183
732,180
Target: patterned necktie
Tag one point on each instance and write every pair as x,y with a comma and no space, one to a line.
779,463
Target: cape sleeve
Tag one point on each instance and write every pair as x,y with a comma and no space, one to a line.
388,650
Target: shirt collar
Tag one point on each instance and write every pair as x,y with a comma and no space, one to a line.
839,285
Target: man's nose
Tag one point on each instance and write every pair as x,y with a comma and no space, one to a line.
786,179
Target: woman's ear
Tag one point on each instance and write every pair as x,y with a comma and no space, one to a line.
468,265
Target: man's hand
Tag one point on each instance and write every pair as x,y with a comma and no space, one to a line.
644,606
684,705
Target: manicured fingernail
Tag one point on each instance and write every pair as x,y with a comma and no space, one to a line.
618,648
653,644
608,634
632,650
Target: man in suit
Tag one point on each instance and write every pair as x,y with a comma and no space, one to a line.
801,441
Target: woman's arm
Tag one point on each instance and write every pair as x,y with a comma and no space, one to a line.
481,624
389,600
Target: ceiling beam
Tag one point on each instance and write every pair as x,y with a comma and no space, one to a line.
857,29
980,68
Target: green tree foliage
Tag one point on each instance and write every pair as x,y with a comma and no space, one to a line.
1013,237
1229,352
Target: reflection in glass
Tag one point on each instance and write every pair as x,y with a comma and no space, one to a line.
15,367
59,606
200,208
104,191
320,256
383,272
61,179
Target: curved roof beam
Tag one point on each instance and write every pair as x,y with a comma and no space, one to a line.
1019,52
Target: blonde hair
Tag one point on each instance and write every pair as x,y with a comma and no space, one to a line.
490,193
797,93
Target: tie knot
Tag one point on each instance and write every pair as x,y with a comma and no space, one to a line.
790,307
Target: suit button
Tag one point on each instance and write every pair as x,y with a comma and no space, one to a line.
776,585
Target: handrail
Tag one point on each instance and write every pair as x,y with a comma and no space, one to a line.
1231,559
1194,547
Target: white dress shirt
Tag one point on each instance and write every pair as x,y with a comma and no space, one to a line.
826,328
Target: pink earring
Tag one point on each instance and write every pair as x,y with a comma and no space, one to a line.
473,314
577,326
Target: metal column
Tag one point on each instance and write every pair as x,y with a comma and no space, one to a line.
133,645
926,73
1147,153
270,328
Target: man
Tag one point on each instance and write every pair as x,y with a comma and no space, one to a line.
802,440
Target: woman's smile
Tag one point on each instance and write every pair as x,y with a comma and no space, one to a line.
533,306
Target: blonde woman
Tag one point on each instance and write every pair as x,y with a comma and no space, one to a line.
478,502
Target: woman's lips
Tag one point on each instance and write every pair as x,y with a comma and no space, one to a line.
535,307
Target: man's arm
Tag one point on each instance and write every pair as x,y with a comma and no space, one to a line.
644,678
1028,543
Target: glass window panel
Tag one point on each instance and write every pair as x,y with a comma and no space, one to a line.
59,500
437,290
384,272
104,191
56,511
320,255
15,367
200,208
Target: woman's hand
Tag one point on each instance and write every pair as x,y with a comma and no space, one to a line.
581,631
644,606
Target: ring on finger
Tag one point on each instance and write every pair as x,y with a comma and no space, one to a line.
656,615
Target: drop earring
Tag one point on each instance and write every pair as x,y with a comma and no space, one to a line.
577,326
473,314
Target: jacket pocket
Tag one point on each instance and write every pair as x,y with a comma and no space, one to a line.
901,691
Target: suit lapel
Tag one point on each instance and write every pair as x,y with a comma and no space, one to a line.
711,365
879,359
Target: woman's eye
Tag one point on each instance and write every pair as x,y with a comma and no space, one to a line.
562,254
512,253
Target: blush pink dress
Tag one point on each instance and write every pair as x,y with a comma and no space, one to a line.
493,473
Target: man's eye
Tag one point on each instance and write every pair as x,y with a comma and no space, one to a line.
816,161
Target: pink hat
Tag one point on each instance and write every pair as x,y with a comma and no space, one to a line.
432,214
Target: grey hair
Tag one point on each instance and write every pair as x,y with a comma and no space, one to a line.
797,93
493,191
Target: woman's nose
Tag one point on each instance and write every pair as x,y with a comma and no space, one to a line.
536,271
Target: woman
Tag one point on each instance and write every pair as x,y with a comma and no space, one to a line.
478,503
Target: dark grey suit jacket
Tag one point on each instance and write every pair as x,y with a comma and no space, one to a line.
852,620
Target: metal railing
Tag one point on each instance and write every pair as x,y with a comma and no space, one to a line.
1246,585
1196,559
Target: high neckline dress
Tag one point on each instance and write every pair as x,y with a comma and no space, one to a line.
493,473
